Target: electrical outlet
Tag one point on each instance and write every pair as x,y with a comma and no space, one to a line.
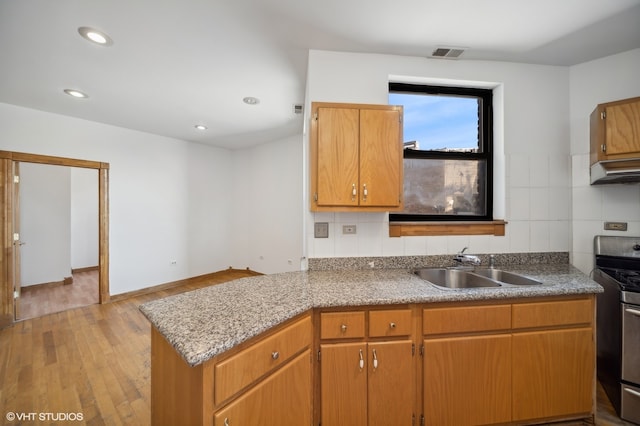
615,226
321,230
348,229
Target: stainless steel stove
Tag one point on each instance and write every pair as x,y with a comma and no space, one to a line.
617,269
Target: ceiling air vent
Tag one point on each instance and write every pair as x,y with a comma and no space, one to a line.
448,52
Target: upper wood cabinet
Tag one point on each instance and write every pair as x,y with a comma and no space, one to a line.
356,157
615,130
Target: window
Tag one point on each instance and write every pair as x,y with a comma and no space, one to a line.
448,153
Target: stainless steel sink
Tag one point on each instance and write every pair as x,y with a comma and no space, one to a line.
506,277
453,278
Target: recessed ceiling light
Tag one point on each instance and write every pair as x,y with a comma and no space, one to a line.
200,127
76,93
95,36
250,100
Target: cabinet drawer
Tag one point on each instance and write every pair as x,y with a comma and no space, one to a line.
466,319
395,322
545,314
341,325
284,398
240,370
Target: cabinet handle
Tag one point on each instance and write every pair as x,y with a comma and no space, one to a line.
275,355
226,421
361,360
354,192
375,359
392,325
632,392
365,192
633,311
343,328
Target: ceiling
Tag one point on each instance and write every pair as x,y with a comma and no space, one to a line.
177,63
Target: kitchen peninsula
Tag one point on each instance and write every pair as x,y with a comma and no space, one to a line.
280,347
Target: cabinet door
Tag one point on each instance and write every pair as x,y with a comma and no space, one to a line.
467,380
623,128
553,373
391,387
343,384
381,168
282,399
337,157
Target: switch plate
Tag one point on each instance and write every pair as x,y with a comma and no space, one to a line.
348,229
321,229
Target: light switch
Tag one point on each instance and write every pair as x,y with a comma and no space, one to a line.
321,230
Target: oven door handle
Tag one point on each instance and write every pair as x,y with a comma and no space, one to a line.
632,392
633,311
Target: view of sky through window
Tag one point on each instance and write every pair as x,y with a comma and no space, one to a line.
439,122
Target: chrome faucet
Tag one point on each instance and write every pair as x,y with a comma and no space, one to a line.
467,258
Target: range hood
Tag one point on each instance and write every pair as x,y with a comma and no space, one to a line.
615,171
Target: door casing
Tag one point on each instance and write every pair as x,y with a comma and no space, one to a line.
8,259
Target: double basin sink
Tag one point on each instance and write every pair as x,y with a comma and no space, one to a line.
464,278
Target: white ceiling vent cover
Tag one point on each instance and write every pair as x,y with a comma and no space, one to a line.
448,52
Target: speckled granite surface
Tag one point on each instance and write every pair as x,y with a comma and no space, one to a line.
408,262
204,323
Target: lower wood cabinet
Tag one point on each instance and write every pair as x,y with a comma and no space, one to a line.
266,381
482,367
467,380
367,369
508,362
367,383
554,374
282,399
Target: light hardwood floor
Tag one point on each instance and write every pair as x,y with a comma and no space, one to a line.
95,361
42,300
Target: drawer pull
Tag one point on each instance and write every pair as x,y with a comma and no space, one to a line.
343,328
632,392
392,325
275,355
633,311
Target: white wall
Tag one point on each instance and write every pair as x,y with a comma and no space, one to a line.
45,229
267,219
604,80
163,193
531,129
84,218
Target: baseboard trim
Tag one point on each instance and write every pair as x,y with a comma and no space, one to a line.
166,286
42,285
85,269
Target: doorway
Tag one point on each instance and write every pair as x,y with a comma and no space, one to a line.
56,213
10,280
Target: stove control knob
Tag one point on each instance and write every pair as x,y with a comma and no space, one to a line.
636,247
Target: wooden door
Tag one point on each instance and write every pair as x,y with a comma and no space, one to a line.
343,384
381,167
337,157
282,399
623,128
553,373
467,380
391,386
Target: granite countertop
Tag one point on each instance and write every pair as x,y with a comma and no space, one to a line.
204,323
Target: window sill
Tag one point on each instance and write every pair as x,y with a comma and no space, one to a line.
409,229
